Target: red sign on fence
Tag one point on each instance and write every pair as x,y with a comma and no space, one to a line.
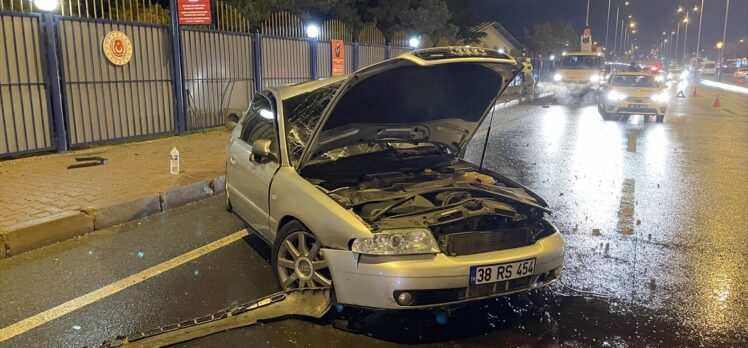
194,12
338,57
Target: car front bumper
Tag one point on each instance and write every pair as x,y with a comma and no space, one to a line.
574,87
626,107
436,280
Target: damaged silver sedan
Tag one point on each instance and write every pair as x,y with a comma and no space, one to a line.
358,184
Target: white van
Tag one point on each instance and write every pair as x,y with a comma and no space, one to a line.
708,67
579,72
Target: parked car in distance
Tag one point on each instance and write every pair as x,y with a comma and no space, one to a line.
629,93
740,73
357,183
578,73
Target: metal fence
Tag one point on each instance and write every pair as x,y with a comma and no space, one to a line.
218,78
24,105
58,91
104,102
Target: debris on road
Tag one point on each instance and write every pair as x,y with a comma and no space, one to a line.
314,302
88,162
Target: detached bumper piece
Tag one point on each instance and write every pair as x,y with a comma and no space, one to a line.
307,302
446,296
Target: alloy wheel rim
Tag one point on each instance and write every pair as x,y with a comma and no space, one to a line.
300,263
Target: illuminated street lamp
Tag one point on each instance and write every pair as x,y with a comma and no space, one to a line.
720,44
414,42
46,5
312,31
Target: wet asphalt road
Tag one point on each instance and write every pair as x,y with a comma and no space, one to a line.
653,214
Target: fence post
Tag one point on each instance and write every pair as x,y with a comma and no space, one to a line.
313,46
387,52
53,74
176,48
257,60
355,56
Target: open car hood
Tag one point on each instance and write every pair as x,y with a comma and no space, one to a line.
438,95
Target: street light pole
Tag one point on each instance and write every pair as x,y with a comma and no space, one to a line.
587,21
615,38
722,49
685,38
607,25
698,37
677,40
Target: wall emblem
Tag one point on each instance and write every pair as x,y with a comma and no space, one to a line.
117,48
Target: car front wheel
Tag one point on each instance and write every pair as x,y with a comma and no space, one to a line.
297,261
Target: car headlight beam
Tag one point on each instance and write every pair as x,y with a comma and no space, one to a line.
557,77
614,95
595,78
659,97
405,241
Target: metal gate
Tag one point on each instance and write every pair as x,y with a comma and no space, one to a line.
25,116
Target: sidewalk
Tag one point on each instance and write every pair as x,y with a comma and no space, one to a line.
39,189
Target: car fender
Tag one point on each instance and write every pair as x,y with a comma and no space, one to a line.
292,195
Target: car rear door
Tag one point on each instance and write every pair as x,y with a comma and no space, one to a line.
249,177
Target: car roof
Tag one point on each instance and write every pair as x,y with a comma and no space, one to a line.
596,54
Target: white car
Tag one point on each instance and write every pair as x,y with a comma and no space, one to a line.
632,93
740,73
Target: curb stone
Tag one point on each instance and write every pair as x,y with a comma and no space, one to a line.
180,196
32,234
104,217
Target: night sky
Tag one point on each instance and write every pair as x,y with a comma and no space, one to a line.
652,16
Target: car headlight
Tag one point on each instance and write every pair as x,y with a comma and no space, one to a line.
670,76
405,241
557,77
659,78
684,74
595,78
613,95
659,97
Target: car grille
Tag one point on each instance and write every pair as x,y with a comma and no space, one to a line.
469,243
638,99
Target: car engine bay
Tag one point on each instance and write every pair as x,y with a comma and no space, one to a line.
467,211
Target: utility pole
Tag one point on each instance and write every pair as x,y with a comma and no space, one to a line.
607,25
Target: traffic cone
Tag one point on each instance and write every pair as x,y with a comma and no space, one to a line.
694,93
716,101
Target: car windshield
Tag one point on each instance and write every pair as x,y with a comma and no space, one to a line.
634,81
581,62
302,113
709,65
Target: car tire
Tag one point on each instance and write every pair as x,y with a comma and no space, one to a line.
660,118
296,266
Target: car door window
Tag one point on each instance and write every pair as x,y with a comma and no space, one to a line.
260,123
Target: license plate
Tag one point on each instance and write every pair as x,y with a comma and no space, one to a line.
500,272
638,106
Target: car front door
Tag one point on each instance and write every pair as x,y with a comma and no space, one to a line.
249,176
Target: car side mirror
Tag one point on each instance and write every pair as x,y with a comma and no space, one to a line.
261,151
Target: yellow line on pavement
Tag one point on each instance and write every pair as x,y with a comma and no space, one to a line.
113,288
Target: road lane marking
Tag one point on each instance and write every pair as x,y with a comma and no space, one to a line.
29,323
626,207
